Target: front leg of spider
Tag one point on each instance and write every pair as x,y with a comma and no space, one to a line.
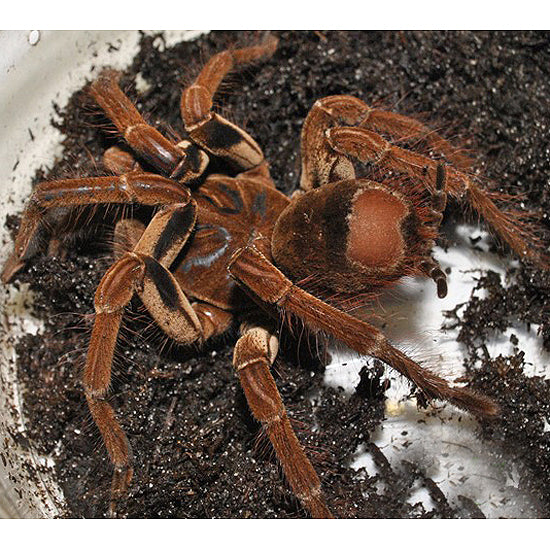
131,188
144,271
254,354
208,129
182,161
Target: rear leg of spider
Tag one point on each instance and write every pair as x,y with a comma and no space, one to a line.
511,226
269,284
322,164
429,265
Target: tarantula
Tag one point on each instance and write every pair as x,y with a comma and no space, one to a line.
218,232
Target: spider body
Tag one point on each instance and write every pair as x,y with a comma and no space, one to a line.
368,232
218,236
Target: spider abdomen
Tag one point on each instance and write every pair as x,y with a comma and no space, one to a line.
348,235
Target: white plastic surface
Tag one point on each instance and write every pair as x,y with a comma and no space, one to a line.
443,441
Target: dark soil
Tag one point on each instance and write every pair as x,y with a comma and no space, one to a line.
197,450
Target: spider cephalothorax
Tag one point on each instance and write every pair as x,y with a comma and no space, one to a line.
217,242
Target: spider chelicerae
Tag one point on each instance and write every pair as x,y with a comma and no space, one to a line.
219,233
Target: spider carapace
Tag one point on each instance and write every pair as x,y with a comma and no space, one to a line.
231,214
215,235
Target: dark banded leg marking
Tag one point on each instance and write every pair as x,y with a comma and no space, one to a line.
429,265
431,268
210,130
169,230
168,304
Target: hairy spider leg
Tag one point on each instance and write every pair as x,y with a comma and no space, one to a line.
132,188
207,128
213,320
254,354
368,146
144,271
118,161
127,233
322,164
252,269
183,161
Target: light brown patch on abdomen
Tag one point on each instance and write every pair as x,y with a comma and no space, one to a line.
375,238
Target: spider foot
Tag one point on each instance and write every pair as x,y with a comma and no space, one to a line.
432,269
122,476
13,265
